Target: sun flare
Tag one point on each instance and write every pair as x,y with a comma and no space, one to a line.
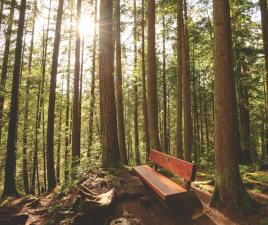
87,26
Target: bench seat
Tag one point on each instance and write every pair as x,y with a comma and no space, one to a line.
164,187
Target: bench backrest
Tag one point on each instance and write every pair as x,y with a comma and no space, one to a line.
177,166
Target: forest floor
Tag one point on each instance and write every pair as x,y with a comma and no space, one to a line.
120,198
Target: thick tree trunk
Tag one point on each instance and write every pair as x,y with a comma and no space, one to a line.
144,95
152,79
51,107
109,136
118,84
186,93
229,191
75,118
10,167
179,142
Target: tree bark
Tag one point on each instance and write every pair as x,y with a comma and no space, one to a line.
52,96
10,167
229,192
179,141
1,13
118,84
152,79
58,169
75,123
109,135
165,136
136,115
186,92
67,115
5,61
144,95
92,88
264,21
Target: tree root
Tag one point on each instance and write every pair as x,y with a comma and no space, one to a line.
95,203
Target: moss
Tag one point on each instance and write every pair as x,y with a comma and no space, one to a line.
264,221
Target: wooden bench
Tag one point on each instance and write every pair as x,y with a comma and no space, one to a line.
165,188
179,199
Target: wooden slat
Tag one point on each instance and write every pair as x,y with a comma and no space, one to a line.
165,188
180,167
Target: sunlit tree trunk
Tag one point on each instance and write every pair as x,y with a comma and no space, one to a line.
144,95
118,85
58,169
109,135
67,115
10,167
75,118
264,20
186,92
152,79
229,190
93,78
52,96
81,87
42,94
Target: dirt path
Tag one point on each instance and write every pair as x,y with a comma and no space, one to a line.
38,209
133,201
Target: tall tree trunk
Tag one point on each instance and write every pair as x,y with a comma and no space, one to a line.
229,190
264,20
67,116
109,135
37,120
81,87
186,93
93,78
245,154
165,137
118,84
144,96
42,107
201,96
1,12
58,170
25,129
152,79
51,107
4,71
136,116
75,118
179,141
10,167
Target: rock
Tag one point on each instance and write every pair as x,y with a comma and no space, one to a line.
126,221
